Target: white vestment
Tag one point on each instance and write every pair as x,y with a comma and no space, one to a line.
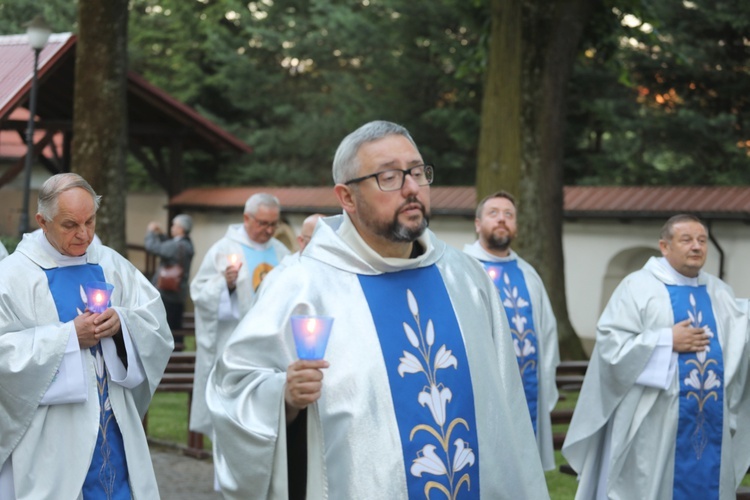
217,312
49,446
621,440
545,325
354,450
3,251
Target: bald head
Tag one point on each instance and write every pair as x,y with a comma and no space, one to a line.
308,226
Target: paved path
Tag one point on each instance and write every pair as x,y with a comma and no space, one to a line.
181,477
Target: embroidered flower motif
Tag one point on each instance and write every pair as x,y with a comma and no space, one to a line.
464,455
436,397
409,364
527,349
444,359
701,379
428,461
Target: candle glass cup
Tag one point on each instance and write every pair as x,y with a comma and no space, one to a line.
311,335
97,295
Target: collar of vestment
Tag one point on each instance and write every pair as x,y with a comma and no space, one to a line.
37,248
660,268
338,243
237,232
477,251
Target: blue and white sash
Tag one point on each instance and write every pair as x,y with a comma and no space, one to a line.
699,430
514,295
259,263
108,473
430,381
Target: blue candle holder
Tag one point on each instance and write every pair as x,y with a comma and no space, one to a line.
97,295
311,335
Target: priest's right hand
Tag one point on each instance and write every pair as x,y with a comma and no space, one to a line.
304,381
686,338
86,330
231,273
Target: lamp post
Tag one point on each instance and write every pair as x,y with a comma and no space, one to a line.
38,33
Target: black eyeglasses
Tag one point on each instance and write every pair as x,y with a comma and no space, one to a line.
393,180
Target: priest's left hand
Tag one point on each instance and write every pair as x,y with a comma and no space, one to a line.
107,324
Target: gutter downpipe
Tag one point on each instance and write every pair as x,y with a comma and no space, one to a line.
718,247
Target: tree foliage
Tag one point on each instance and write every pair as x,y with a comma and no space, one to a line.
292,78
659,95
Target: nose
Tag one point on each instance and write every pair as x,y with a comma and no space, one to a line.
410,186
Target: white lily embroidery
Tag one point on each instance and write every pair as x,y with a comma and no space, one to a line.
412,301
430,334
712,380
519,322
409,364
525,350
99,364
693,380
464,455
435,398
444,358
428,461
411,335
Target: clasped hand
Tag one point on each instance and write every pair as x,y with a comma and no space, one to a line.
92,327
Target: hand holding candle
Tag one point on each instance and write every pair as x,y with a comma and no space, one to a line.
97,295
311,335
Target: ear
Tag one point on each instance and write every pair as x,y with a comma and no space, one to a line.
477,223
42,222
663,246
345,197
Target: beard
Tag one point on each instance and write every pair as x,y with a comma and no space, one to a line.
394,230
499,242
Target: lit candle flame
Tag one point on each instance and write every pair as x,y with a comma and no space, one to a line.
99,298
233,258
311,325
492,273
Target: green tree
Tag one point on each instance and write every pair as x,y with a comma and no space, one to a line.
292,78
659,95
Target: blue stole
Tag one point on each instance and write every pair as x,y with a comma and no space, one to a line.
430,381
108,473
699,430
259,263
514,295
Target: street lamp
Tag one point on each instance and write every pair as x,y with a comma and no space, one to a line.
38,33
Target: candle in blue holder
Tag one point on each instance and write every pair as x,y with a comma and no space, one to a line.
493,271
97,295
311,335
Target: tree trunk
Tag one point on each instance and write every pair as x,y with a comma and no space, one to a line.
521,142
100,112
499,153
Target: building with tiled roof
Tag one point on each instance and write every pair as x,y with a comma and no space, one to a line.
608,231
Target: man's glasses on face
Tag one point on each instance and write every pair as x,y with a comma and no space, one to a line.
393,180
264,223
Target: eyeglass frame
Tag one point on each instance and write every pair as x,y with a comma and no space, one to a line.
403,178
264,223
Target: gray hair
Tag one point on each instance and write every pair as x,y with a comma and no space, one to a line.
667,230
258,199
184,221
345,162
56,185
